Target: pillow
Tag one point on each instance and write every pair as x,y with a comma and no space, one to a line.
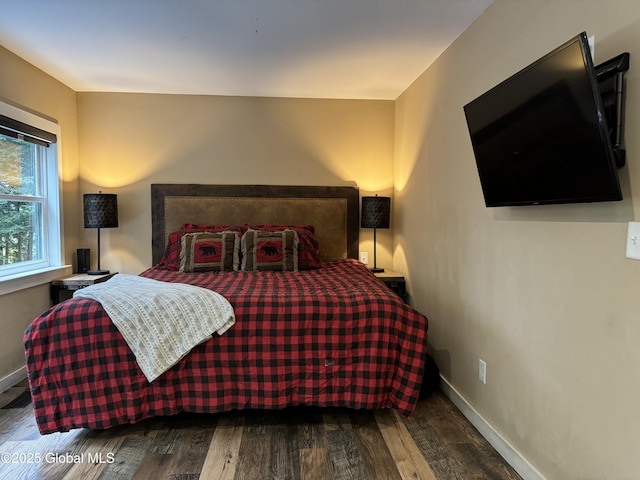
171,257
308,251
270,251
209,252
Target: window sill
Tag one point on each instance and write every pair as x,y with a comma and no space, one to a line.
21,281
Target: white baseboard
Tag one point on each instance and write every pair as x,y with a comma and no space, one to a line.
497,441
10,380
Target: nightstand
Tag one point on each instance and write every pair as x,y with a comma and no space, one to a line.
74,282
395,281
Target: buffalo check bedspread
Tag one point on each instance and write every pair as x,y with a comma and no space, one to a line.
332,337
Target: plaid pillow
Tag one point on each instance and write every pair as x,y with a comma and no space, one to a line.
209,252
171,258
308,245
270,251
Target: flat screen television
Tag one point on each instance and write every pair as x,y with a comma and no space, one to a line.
541,136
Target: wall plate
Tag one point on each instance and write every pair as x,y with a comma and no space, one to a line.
633,241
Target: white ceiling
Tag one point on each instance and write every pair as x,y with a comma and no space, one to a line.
372,49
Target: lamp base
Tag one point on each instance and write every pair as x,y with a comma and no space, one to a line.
377,270
97,272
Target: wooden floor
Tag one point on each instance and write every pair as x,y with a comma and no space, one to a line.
303,443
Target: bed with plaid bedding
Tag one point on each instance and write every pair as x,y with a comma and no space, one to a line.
332,337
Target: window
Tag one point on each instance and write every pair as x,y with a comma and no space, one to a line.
30,233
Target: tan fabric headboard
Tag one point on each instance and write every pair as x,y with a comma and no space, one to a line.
333,211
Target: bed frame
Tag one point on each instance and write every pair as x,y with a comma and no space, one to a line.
333,211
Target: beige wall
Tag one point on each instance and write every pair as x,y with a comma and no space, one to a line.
129,141
544,294
26,87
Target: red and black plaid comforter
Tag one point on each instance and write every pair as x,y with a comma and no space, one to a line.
336,336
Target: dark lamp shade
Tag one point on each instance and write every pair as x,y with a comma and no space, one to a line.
375,212
100,210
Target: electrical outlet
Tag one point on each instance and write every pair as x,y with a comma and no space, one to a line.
364,257
482,371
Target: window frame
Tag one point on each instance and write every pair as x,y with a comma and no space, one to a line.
27,274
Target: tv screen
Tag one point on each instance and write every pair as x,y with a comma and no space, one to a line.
541,136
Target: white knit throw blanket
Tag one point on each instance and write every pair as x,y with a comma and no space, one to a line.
161,322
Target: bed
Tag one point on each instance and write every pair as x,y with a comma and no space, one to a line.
326,333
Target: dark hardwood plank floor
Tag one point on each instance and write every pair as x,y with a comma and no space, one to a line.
299,443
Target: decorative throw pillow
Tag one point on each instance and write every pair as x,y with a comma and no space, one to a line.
308,251
270,251
171,258
209,252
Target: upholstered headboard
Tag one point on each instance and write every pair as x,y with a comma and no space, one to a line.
333,211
